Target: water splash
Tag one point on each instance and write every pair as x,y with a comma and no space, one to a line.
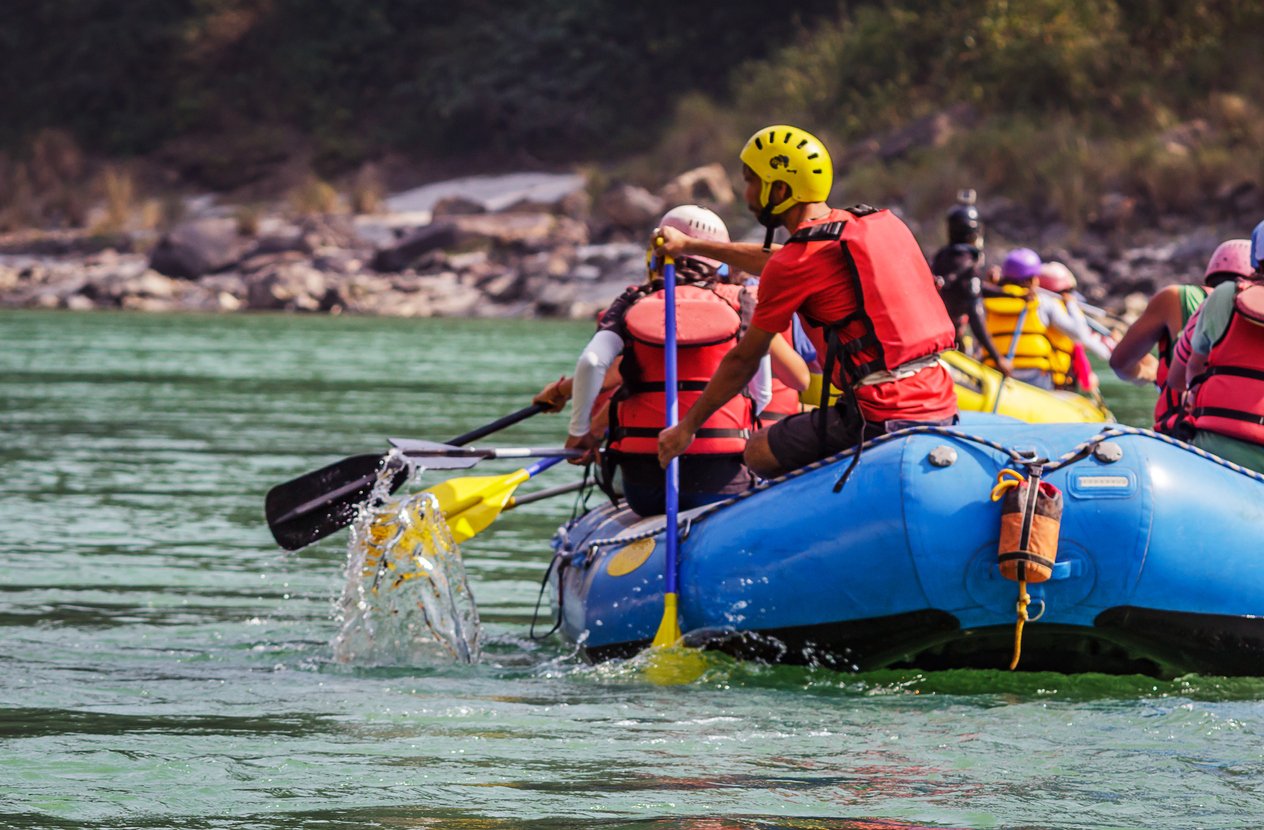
406,600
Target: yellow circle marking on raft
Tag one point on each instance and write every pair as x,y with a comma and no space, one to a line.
630,557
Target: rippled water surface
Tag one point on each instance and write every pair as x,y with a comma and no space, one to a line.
165,665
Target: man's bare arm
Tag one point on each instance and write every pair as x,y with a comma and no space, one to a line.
744,256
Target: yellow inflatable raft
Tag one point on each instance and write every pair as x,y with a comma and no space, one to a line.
978,387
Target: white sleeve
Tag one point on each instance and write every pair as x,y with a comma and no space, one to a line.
1067,317
590,373
760,386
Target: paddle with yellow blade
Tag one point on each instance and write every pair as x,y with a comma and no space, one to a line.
469,505
314,505
670,662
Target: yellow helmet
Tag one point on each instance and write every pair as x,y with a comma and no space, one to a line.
782,153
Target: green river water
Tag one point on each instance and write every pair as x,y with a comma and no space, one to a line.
164,665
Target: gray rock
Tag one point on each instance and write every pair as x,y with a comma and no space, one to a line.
294,287
708,184
421,242
630,208
199,247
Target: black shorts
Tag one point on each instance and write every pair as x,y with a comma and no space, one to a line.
703,479
796,441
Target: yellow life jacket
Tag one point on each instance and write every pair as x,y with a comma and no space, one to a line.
1039,347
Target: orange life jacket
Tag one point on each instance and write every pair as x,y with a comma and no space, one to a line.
900,322
707,326
1230,397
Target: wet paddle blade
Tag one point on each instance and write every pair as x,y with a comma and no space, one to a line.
669,627
308,508
470,505
670,662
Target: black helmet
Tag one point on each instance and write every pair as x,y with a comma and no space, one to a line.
963,224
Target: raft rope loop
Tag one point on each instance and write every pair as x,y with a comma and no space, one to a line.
1008,479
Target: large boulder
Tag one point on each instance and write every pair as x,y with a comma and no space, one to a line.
708,184
293,286
524,230
198,247
416,245
629,208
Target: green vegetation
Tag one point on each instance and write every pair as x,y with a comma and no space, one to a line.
1156,99
1051,102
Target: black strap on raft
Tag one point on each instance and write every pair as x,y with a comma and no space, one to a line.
1023,555
604,477
535,614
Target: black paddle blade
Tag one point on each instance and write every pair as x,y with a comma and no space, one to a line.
312,506
309,508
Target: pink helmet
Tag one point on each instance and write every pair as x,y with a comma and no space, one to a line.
698,222
1056,277
1232,256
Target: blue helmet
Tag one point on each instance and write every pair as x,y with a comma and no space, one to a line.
1257,246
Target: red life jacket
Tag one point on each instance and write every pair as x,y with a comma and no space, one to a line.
707,326
899,318
1168,412
1230,397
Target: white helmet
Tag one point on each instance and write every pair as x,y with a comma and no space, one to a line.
698,222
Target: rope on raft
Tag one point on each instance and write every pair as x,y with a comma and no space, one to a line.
1078,453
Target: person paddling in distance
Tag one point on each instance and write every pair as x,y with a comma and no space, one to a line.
1038,331
1162,323
859,278
1225,373
1058,283
710,317
958,270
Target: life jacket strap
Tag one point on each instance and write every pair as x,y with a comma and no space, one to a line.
1231,414
661,386
825,232
652,432
1230,371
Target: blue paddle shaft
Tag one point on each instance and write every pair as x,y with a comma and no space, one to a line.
1013,347
673,416
543,464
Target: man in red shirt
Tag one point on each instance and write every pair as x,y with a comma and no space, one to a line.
868,291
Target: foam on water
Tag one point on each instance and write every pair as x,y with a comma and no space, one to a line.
406,600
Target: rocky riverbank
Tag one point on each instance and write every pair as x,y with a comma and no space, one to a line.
524,245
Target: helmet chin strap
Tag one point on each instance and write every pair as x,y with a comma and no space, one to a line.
770,223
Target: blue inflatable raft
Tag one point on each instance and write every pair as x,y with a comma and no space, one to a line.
1160,566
